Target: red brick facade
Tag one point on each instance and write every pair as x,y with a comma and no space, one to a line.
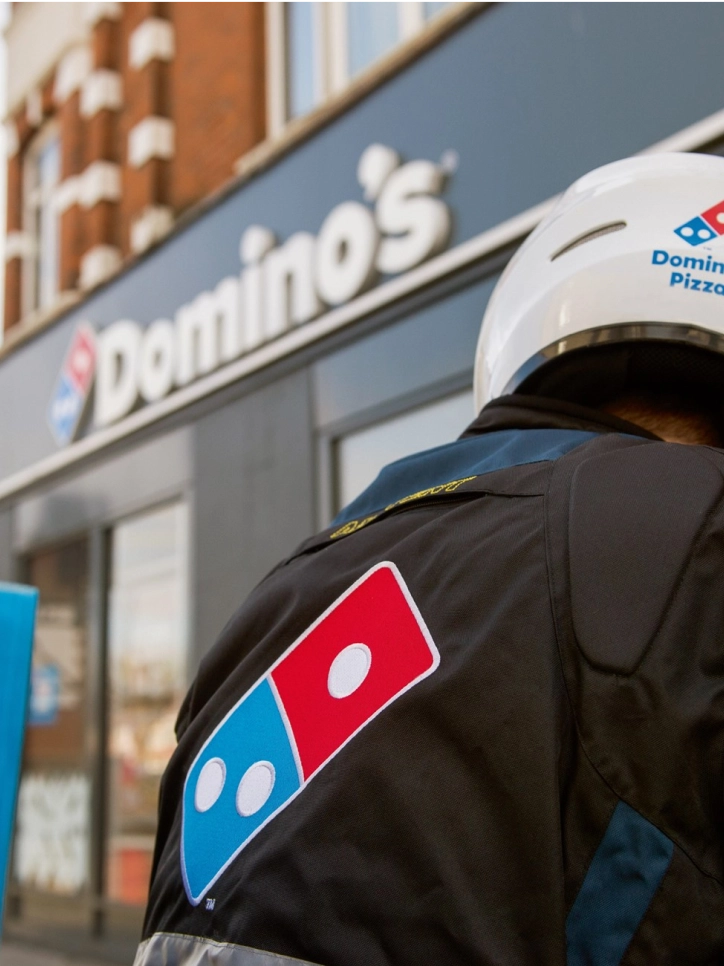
14,221
221,44
209,85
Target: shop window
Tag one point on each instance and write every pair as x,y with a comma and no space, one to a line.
362,454
53,815
316,49
42,176
147,663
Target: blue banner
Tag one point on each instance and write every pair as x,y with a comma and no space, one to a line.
17,621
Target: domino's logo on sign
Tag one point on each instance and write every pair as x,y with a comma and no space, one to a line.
706,226
366,650
73,386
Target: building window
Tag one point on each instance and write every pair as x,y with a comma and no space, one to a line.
316,49
147,661
303,74
371,30
359,456
430,10
53,816
42,224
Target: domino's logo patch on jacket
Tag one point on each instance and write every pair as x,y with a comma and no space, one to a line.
366,650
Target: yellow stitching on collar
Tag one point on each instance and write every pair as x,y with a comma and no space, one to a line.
354,525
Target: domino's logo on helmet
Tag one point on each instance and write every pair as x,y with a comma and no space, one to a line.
704,227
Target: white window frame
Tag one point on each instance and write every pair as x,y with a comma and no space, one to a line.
332,68
33,200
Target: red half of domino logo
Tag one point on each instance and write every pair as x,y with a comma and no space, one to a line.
366,650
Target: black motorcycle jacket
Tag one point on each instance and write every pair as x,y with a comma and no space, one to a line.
478,720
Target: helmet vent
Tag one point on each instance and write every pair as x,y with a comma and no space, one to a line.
589,236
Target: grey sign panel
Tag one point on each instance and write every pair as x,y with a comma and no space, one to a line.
253,497
528,96
149,473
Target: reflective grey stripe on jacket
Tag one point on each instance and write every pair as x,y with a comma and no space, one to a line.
174,949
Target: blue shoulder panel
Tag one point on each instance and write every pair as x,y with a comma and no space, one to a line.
465,457
621,881
17,622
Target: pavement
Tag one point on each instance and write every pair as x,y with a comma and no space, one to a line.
15,954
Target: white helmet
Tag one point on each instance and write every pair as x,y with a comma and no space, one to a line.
632,252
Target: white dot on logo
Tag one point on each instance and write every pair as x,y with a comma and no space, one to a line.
720,217
81,360
704,233
349,669
687,232
255,788
209,784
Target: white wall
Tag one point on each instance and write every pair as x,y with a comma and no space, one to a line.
37,36
4,17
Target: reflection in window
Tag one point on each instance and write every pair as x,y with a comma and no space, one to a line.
430,10
42,178
302,54
361,455
372,30
147,637
51,842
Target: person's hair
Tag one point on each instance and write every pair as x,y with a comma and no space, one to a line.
673,417
675,386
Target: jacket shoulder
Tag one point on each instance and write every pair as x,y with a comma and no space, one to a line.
634,516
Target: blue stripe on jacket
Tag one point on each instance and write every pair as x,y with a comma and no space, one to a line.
472,456
622,879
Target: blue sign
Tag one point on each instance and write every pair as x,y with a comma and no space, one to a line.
44,695
17,622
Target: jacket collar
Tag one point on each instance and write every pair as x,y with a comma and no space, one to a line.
536,412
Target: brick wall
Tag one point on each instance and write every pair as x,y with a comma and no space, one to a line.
195,84
72,163
146,94
11,313
219,48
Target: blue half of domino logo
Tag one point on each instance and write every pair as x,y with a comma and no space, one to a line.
223,811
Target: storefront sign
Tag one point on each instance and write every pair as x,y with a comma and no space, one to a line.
280,286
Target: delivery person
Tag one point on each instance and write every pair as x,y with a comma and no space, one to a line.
480,719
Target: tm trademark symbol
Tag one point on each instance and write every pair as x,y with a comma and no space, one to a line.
210,903
450,161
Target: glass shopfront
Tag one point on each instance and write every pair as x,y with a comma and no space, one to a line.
147,664
53,817
101,721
